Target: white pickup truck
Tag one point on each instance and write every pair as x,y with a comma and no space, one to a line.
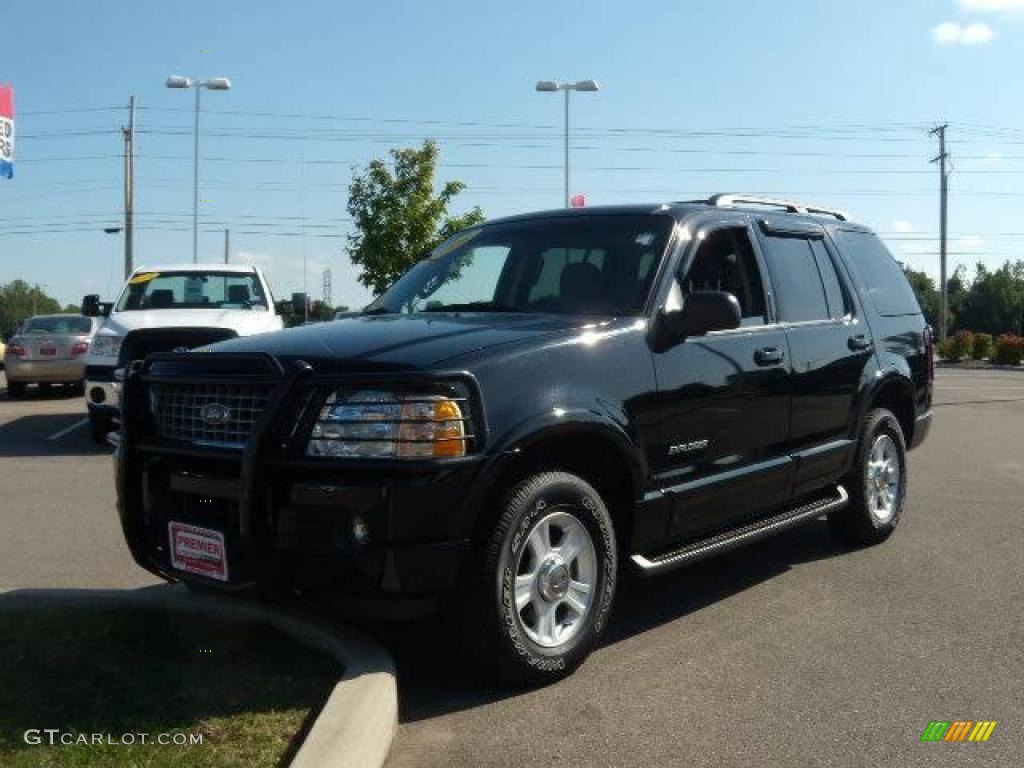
165,309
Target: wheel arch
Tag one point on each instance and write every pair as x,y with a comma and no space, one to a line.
581,443
895,393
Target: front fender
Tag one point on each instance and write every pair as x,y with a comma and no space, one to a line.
585,424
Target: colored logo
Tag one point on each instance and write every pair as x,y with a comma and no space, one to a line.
958,730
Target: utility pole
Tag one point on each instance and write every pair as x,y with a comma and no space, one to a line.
129,188
942,160
327,289
227,244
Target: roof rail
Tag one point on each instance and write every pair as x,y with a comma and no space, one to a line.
724,200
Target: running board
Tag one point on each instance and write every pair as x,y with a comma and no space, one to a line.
739,537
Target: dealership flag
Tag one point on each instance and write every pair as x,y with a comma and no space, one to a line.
6,131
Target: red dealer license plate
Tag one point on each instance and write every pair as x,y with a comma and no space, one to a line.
198,550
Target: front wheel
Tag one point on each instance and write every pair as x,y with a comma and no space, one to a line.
541,591
877,483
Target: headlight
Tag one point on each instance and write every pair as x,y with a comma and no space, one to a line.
106,346
375,424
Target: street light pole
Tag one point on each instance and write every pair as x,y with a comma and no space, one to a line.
548,86
195,184
567,147
213,84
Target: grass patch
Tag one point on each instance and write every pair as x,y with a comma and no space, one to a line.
250,691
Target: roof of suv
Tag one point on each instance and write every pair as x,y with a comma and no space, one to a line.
680,209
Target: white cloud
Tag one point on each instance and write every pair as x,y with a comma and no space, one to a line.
951,33
993,6
903,226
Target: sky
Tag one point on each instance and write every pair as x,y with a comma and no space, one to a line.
821,100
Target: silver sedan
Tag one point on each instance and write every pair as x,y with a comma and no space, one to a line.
46,350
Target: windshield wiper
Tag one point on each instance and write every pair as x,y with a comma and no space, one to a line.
474,306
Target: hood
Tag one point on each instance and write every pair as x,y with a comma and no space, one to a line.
243,321
385,342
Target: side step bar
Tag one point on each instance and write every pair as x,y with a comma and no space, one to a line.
739,537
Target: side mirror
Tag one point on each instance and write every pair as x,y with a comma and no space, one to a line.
283,307
701,313
91,305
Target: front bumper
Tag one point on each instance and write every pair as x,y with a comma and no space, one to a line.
291,525
44,371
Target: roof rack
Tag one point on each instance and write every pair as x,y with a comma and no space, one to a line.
724,200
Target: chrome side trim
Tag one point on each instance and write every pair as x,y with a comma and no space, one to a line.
745,535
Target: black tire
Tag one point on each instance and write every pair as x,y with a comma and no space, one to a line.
861,522
99,427
16,389
45,389
493,630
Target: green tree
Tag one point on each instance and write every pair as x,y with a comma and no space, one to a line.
397,215
927,295
19,300
956,295
994,301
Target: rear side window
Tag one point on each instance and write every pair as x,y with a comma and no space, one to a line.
799,291
886,284
837,305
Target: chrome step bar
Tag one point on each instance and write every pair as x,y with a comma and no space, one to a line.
747,534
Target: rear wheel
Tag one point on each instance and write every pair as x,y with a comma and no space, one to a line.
541,591
877,483
16,389
100,426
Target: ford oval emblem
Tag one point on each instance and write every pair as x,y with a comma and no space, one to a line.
215,414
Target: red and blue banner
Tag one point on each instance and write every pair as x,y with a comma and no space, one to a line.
6,131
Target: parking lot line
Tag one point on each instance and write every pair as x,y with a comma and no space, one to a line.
66,430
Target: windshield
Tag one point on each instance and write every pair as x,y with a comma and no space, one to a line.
71,324
573,265
192,290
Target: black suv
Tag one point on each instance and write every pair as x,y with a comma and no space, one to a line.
538,403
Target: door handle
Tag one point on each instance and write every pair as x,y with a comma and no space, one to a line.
859,343
768,356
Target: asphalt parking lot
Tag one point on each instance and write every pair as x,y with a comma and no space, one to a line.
791,652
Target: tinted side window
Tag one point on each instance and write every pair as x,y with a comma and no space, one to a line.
883,277
837,305
798,288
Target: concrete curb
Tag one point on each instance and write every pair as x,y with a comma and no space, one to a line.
984,367
358,721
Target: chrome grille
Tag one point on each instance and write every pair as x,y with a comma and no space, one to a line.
211,414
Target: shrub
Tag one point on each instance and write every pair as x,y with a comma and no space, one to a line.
1009,349
963,343
947,350
981,348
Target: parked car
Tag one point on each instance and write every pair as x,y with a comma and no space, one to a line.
166,308
48,350
542,402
